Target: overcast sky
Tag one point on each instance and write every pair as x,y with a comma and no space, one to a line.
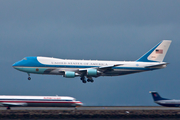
90,29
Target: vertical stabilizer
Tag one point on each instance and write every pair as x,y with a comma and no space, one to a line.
156,96
157,53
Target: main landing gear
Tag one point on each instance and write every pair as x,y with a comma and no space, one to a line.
29,78
83,79
8,108
88,80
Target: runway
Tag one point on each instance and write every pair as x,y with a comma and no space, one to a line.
92,112
96,108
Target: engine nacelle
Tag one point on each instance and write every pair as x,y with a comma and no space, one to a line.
69,74
92,72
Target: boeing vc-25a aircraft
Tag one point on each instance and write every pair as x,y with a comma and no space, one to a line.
164,101
152,60
38,101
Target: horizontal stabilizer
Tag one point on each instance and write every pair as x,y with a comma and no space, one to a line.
157,66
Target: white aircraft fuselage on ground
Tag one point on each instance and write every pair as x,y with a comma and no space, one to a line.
152,60
38,101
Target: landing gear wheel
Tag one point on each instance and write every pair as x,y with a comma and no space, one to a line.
29,78
84,81
90,80
8,108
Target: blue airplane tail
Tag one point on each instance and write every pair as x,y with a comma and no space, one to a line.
157,53
156,96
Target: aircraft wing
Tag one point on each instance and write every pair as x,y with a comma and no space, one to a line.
101,68
109,67
83,72
13,104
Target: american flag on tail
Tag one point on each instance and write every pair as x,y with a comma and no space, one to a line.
159,51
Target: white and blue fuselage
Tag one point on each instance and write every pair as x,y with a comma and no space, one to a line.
47,65
152,60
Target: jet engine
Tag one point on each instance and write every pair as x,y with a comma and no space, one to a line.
69,74
92,72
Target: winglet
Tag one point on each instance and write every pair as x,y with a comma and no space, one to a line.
157,53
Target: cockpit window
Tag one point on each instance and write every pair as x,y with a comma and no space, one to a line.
24,58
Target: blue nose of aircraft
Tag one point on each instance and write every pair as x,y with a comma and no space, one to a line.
19,63
14,65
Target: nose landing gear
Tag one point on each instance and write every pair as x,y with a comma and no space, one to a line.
29,78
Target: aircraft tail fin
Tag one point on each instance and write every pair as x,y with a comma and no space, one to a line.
156,96
157,53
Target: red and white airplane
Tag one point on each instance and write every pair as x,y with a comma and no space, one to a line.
38,101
